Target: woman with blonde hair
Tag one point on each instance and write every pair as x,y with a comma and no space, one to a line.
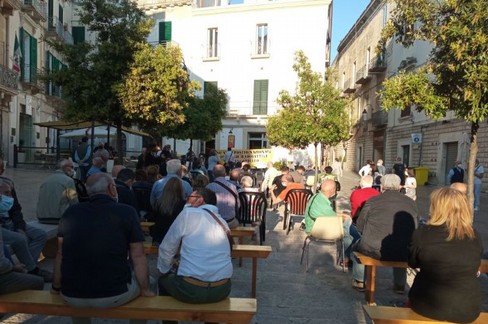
448,252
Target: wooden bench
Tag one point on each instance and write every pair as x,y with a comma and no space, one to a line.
239,251
230,310
402,315
370,265
240,233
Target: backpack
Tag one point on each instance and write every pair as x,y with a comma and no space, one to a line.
458,175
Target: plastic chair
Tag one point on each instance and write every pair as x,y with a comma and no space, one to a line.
253,211
326,229
295,204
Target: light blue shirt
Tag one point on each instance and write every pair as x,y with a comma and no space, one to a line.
226,202
158,187
205,250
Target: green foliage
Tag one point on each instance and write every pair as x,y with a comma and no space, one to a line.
314,114
203,116
456,76
157,89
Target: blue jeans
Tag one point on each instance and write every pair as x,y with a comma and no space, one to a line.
399,274
16,281
34,237
351,235
477,193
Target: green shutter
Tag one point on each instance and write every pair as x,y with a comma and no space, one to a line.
164,31
50,13
48,68
33,59
60,13
260,103
78,33
22,51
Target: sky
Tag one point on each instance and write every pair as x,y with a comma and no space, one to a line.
345,14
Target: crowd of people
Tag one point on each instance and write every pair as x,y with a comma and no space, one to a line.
194,206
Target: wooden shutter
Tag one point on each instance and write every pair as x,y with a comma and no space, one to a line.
260,105
164,31
33,59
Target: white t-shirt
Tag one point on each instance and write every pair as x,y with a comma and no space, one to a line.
411,192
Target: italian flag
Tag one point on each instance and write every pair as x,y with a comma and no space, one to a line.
17,55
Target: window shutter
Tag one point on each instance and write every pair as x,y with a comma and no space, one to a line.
33,59
22,51
60,13
78,34
260,105
167,31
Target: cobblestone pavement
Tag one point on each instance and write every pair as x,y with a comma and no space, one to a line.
285,292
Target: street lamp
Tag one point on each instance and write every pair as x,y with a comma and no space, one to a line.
365,114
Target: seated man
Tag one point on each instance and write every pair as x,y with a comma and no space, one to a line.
97,166
13,277
386,224
227,196
288,184
205,267
56,194
110,268
173,169
27,241
361,195
124,181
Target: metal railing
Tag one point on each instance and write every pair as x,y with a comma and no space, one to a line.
8,77
56,28
39,6
379,118
40,156
377,63
30,74
362,75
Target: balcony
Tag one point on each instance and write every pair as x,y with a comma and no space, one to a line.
30,79
349,87
379,118
362,76
8,80
37,9
162,4
57,31
8,6
377,64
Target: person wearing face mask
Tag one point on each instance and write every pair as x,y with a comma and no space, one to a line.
27,241
56,194
100,260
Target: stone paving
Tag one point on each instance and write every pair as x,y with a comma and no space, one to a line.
285,292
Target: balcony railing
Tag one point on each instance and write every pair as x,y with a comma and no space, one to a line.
379,118
160,4
30,77
362,76
56,29
8,78
349,87
377,64
37,8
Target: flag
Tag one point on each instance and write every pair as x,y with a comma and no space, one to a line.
17,55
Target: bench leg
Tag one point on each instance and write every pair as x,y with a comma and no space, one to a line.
241,241
254,272
370,284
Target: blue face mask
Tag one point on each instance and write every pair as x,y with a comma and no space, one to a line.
6,204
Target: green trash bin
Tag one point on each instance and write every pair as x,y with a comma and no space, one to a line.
421,175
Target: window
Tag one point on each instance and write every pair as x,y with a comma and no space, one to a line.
164,32
209,86
354,72
258,141
53,64
28,68
212,42
406,111
368,58
260,103
385,15
78,34
262,39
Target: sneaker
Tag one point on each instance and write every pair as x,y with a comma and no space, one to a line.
399,289
358,285
45,274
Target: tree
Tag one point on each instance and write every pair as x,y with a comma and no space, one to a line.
315,114
95,70
456,76
157,89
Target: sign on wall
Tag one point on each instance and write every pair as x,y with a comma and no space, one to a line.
416,138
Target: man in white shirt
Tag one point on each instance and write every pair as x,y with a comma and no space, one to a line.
205,267
366,169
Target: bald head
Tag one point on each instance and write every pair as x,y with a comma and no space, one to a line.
219,171
460,187
328,188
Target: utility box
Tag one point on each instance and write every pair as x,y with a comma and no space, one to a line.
421,175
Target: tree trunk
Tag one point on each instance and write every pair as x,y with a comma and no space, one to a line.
473,152
120,153
316,178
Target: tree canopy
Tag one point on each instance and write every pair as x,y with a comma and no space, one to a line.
315,114
157,90
456,75
95,69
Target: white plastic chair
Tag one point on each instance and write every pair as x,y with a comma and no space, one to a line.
326,229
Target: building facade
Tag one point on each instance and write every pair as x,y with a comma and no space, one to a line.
247,48
409,134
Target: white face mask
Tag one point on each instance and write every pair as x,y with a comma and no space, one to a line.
70,173
284,184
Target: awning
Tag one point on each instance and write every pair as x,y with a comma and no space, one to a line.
59,124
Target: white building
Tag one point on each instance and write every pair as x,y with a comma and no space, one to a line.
246,47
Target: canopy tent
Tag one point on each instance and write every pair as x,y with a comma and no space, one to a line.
99,131
58,124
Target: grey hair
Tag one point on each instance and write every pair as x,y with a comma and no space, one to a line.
98,183
390,182
366,181
64,162
173,166
246,181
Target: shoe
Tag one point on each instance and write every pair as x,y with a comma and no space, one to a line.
302,227
358,285
45,274
399,289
